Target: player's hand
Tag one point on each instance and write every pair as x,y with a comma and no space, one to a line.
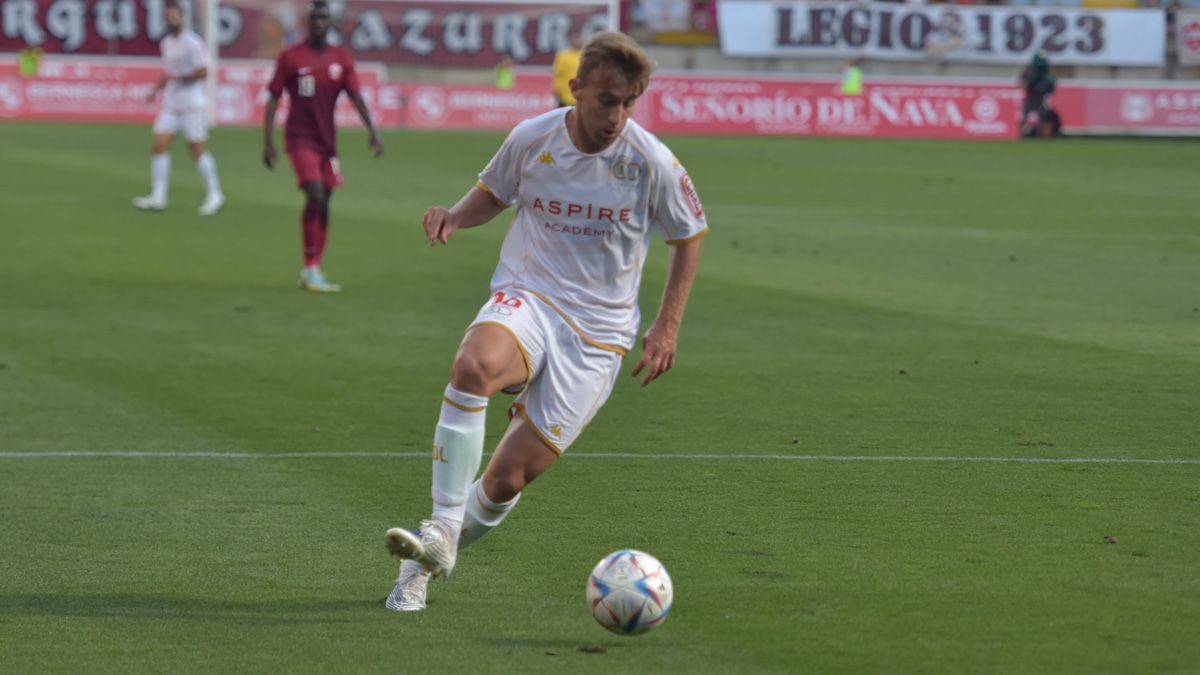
375,144
439,225
152,95
270,156
658,353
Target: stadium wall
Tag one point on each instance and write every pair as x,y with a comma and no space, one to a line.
115,89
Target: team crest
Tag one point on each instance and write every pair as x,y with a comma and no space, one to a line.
546,158
335,71
624,169
556,430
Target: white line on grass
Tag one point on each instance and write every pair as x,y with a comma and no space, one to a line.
613,455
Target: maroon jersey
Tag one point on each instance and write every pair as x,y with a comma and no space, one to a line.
313,80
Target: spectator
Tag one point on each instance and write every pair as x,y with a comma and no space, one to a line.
505,74
1038,118
566,64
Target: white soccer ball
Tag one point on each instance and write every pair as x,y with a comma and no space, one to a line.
629,592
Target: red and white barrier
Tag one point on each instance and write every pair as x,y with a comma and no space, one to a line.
115,90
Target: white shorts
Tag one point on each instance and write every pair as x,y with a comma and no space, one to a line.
569,377
189,121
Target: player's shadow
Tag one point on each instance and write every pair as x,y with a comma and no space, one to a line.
282,612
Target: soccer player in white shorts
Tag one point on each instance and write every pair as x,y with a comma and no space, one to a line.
185,61
590,187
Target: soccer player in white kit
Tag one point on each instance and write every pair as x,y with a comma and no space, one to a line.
590,187
185,60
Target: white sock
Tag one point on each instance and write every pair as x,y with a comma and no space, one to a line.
483,515
160,175
457,452
207,166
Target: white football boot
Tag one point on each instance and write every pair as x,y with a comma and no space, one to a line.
313,281
435,547
212,204
149,203
410,590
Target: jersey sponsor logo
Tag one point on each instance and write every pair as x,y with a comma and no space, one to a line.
689,193
335,71
587,211
545,158
626,169
578,231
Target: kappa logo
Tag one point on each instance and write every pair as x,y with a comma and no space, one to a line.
556,430
546,158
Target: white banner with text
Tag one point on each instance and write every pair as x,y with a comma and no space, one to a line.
903,32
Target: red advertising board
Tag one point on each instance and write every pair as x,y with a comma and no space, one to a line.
818,107
440,106
115,90
1158,109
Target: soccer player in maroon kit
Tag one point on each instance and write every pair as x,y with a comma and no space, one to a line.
314,73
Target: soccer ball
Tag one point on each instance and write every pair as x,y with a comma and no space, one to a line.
629,592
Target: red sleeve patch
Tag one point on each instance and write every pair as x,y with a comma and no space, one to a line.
689,193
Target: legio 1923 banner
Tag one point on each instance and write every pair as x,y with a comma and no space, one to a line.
476,33
1009,34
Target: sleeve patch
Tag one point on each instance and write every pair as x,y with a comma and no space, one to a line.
689,193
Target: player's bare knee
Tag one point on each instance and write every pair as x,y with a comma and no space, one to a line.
314,196
476,374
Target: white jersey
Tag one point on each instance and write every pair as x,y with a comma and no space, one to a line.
583,222
183,55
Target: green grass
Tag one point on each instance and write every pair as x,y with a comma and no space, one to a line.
856,299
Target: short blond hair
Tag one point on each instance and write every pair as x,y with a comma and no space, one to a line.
619,52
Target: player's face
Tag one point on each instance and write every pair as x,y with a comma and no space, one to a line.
174,20
602,106
318,24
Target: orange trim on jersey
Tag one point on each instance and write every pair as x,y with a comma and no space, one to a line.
483,186
518,409
695,237
616,349
463,407
521,347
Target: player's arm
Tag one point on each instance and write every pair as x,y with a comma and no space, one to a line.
661,339
274,91
198,74
475,208
353,89
269,155
158,86
373,140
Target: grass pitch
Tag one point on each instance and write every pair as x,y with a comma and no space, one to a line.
857,299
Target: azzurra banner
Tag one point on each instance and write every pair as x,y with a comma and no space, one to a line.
955,33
